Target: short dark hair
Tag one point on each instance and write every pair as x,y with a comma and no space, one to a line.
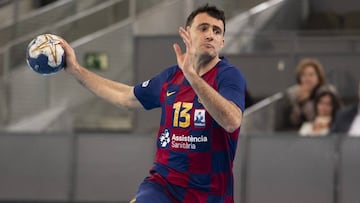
211,10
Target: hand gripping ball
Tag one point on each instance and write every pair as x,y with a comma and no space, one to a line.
45,55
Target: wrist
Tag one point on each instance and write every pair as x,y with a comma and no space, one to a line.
191,76
71,67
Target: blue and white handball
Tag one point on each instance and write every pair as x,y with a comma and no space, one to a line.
45,54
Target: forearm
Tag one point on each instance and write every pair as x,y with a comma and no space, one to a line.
225,112
111,91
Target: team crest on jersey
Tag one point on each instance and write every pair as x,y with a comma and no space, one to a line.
164,138
145,84
199,118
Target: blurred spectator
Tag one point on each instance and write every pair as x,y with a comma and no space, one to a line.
326,104
348,120
310,79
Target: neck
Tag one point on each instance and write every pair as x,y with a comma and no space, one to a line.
205,63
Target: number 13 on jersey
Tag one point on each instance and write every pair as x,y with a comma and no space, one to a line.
182,115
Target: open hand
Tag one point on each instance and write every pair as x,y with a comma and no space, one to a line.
186,61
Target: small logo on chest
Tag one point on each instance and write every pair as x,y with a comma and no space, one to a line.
169,93
199,117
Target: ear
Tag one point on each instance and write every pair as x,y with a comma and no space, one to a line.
222,44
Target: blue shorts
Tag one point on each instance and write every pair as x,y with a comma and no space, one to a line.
151,192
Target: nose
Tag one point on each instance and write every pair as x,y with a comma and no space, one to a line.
210,35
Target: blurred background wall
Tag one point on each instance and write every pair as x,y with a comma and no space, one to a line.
58,142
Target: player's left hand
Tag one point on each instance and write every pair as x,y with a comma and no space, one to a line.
186,61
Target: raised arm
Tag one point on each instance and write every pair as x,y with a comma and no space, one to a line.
111,91
224,111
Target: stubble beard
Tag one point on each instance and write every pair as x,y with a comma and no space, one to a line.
204,58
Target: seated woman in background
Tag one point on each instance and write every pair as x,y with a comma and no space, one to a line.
310,78
326,104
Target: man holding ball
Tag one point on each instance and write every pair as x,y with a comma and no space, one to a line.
202,101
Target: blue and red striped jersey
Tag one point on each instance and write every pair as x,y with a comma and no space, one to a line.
193,150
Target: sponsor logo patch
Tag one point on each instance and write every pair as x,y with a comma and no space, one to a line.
164,138
199,118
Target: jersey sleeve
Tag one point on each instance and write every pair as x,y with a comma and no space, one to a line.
231,85
148,92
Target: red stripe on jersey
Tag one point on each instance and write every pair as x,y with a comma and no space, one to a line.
193,196
200,162
180,179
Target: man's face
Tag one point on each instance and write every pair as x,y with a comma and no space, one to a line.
207,35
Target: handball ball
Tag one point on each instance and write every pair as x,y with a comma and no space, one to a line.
45,55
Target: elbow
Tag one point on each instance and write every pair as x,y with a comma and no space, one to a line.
233,125
126,104
233,119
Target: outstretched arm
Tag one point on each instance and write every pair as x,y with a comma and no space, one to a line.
113,92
